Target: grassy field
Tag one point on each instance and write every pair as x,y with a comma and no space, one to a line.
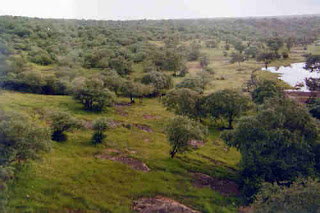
71,177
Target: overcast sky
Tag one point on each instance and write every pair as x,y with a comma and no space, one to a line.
156,9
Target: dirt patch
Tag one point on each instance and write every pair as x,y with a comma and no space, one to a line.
246,209
160,204
115,124
142,127
196,143
116,155
224,187
151,117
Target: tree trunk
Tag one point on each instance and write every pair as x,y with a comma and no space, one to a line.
230,123
173,152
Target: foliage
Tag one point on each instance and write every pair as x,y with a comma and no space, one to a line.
266,57
301,196
313,63
99,126
92,93
185,102
226,104
280,143
60,122
237,57
180,130
266,89
158,80
21,139
196,84
136,90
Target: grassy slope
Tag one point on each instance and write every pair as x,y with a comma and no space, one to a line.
70,177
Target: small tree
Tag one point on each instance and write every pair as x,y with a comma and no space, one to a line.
99,126
237,58
184,102
266,57
226,104
313,63
266,89
92,94
21,139
158,80
180,131
60,123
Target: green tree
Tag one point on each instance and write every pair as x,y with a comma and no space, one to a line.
266,89
237,58
226,104
92,93
60,122
280,143
313,63
158,80
21,139
185,102
303,196
99,126
274,43
266,58
180,131
196,84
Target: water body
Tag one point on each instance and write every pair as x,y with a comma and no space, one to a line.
294,75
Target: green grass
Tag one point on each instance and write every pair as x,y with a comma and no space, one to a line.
71,178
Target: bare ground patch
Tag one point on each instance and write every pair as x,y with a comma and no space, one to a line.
118,156
160,204
151,117
196,143
223,186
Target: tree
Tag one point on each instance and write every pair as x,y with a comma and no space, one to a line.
112,80
302,195
194,52
21,139
196,84
158,80
226,104
180,131
280,143
204,62
239,47
99,126
60,122
266,89
274,43
92,93
266,57
136,90
121,65
313,63
237,57
185,102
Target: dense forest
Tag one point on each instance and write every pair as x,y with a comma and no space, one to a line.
100,116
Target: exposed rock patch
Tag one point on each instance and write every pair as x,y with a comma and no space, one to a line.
223,186
118,156
196,143
160,204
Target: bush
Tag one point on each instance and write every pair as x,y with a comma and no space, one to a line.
99,126
92,93
60,123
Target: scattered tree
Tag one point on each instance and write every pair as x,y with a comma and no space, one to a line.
226,104
99,126
180,131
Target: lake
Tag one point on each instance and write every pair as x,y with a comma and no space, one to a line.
294,75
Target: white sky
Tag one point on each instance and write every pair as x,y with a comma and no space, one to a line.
156,9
